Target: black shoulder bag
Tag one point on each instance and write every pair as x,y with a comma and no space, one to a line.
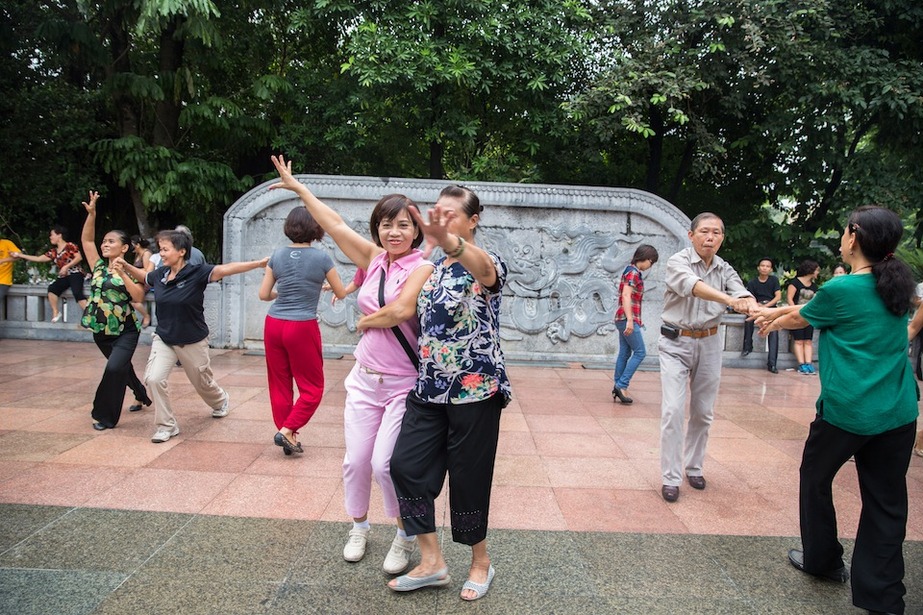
411,353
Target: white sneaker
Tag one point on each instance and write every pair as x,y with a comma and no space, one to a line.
398,557
355,545
223,410
164,433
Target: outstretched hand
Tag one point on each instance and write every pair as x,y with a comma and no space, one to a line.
436,228
286,178
91,206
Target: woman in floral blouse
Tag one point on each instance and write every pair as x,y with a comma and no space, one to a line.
110,317
66,257
452,420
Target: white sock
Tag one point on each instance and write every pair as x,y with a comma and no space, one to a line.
361,525
402,534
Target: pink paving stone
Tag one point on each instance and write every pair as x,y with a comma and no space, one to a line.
59,484
207,456
576,445
111,450
562,424
525,508
593,473
274,497
512,421
166,490
752,470
522,470
617,510
516,443
319,462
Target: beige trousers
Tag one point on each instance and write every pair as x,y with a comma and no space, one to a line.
695,363
197,365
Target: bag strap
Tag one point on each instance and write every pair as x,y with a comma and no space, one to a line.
411,353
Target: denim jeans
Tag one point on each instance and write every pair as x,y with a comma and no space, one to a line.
631,353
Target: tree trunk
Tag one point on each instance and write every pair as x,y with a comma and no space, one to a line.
167,110
655,152
685,165
126,114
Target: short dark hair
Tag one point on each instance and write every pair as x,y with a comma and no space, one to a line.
178,239
705,215
60,229
301,227
138,240
645,252
772,263
807,267
387,208
470,201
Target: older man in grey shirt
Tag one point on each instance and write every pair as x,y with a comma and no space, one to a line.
699,287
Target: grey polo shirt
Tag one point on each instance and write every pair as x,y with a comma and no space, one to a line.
684,269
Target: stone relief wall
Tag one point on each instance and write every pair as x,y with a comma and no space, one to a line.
565,248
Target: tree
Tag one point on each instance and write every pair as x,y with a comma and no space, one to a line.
477,83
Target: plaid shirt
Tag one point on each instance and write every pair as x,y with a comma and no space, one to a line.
632,277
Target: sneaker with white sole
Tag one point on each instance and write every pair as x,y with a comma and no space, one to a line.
398,557
223,410
355,545
164,433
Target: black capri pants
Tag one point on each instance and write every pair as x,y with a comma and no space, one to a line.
434,439
74,281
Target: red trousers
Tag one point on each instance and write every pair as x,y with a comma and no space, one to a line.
293,352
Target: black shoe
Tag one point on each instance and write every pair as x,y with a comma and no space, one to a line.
745,353
288,447
796,559
100,427
617,394
136,407
696,482
772,369
669,493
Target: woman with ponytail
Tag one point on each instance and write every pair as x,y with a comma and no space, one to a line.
867,409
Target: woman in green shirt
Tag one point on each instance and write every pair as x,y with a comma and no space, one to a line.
867,408
109,315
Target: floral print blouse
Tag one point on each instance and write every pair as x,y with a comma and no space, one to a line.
61,258
108,308
460,357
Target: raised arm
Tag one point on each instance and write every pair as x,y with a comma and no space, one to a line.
88,236
474,259
223,271
402,308
357,248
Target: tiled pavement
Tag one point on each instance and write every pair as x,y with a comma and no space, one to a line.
217,520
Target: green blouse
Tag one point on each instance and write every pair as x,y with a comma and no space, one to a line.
108,308
867,384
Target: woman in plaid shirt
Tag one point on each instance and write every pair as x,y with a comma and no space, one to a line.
631,339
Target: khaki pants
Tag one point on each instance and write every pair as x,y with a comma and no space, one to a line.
696,363
196,364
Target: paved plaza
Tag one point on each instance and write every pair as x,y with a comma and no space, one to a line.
218,521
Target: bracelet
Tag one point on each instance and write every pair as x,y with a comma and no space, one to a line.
458,251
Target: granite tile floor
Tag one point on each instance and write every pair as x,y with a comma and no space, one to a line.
218,521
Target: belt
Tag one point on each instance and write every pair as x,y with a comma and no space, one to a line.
697,333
